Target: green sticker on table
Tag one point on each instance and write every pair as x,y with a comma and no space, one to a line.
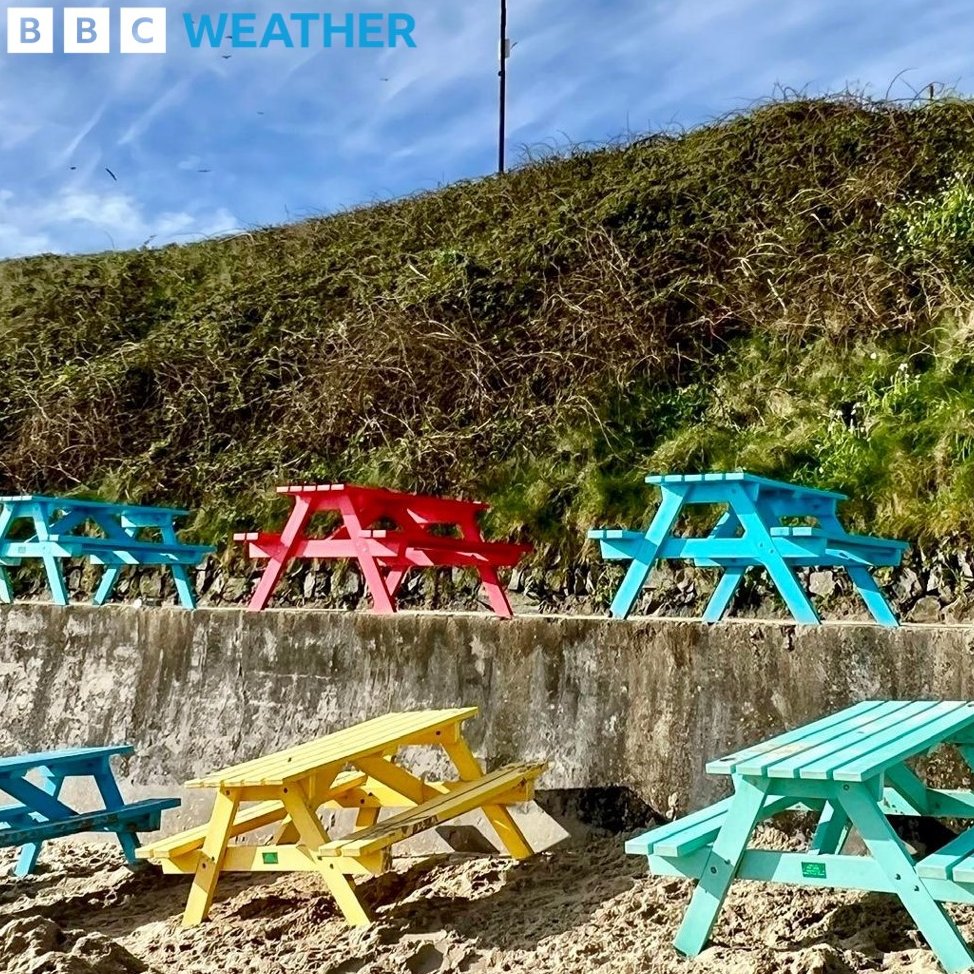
270,858
813,870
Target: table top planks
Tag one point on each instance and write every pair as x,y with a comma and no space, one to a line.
372,737
19,764
855,744
740,476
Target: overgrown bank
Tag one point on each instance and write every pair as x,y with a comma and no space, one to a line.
788,291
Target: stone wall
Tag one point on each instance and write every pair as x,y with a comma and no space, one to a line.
628,708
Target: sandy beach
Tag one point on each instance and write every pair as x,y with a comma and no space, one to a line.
583,906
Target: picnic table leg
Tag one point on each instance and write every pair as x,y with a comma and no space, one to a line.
790,589
112,797
275,566
211,857
107,584
831,831
52,565
312,835
367,816
27,860
888,850
184,587
55,579
499,601
644,554
721,866
873,596
394,578
757,535
180,573
6,588
382,599
499,816
723,594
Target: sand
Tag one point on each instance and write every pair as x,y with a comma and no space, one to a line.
584,906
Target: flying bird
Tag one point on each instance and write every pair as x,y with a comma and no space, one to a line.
72,168
110,173
226,57
204,170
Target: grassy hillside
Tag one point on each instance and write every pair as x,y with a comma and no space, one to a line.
788,291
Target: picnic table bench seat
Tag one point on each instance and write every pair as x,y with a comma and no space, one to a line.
954,861
108,550
256,816
697,830
505,786
141,816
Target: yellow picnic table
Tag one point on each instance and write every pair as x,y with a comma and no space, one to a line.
351,768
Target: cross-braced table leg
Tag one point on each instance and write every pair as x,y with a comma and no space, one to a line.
644,554
292,533
107,584
499,601
499,816
312,834
112,797
211,857
723,594
6,589
873,596
52,565
893,858
721,866
831,831
27,860
758,536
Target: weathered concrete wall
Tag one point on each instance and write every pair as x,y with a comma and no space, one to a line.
641,704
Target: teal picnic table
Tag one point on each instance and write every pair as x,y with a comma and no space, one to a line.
754,530
853,769
52,529
38,813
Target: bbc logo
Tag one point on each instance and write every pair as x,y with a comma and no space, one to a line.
86,30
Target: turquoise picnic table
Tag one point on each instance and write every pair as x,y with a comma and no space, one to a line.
38,813
751,532
53,529
852,768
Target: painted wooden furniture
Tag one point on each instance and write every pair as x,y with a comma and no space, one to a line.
751,533
114,535
37,813
852,768
351,768
388,533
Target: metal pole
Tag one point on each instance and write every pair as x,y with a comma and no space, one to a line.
502,74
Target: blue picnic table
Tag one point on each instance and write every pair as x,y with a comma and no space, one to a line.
853,769
37,813
114,535
751,532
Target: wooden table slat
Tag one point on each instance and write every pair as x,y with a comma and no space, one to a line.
340,747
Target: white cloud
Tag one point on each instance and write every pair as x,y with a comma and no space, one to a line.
30,226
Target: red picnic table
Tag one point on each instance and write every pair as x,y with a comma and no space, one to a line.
385,554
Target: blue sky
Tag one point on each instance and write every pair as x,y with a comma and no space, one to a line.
287,134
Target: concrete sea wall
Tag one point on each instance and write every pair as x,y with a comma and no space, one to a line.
635,707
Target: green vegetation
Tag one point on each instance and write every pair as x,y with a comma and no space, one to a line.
788,291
